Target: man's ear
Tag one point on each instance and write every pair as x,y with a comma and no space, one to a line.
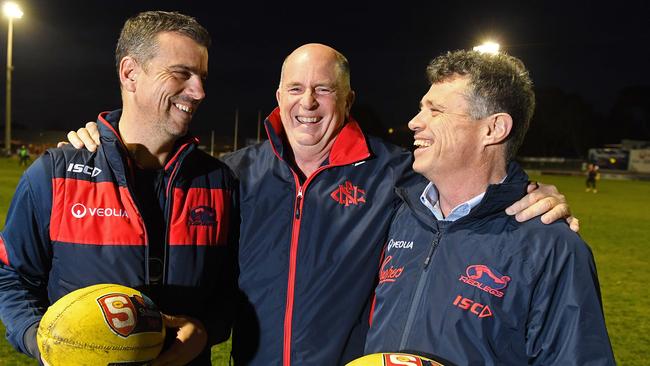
348,103
128,73
277,96
498,127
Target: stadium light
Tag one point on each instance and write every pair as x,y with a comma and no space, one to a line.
12,11
488,47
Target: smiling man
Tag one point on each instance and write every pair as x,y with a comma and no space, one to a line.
315,200
476,287
148,210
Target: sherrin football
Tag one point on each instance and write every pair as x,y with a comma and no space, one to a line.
101,325
393,359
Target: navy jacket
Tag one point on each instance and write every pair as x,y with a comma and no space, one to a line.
487,290
74,221
309,252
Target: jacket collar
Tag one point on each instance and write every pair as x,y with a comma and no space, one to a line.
497,196
349,147
107,123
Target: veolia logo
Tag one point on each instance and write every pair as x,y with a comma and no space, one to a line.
78,210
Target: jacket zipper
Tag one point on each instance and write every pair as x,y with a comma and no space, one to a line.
418,291
293,258
136,204
434,245
293,253
168,212
144,228
298,201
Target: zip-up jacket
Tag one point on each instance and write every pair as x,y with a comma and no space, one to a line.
309,251
74,221
486,289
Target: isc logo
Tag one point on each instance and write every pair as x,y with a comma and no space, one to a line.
480,310
84,169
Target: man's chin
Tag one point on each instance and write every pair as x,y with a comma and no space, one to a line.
177,131
308,140
419,167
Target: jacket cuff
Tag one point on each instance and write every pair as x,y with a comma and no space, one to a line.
29,341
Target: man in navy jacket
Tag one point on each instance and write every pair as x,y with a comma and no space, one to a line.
461,280
147,210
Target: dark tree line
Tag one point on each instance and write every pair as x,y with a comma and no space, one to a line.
565,125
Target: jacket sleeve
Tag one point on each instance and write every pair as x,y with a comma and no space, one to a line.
566,324
25,256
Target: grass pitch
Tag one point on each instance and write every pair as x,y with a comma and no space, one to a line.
615,223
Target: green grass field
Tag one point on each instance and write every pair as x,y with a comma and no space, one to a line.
615,223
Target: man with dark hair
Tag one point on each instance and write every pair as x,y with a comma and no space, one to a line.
467,283
147,210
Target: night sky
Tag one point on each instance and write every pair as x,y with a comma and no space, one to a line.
65,74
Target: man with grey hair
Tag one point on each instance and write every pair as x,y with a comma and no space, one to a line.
472,285
147,210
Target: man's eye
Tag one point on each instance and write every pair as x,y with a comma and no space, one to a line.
182,74
323,90
295,90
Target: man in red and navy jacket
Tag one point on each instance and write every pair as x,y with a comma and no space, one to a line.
316,201
310,246
147,210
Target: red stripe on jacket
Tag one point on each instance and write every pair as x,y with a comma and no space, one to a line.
95,213
200,216
4,258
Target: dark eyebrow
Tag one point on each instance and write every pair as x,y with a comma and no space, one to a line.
432,105
193,70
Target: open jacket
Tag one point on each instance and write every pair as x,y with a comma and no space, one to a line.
309,251
486,289
74,221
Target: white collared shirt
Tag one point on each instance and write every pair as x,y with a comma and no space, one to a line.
429,198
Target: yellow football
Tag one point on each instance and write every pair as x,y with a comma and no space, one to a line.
99,325
393,359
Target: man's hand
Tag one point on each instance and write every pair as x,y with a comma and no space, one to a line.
87,137
191,338
543,199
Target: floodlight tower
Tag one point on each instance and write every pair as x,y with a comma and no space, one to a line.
12,11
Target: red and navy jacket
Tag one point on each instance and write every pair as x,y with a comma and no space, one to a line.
309,251
74,221
486,289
